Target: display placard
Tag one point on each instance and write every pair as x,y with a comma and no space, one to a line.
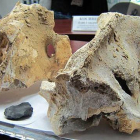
84,23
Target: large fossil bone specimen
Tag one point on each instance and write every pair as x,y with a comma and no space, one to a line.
100,80
24,36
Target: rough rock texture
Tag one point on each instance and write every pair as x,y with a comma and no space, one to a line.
18,111
25,35
102,79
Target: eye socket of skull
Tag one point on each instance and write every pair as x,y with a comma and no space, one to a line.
50,51
122,82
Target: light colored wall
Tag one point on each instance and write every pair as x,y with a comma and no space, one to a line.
46,3
113,2
6,6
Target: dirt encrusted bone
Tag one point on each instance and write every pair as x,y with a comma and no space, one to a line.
25,35
101,79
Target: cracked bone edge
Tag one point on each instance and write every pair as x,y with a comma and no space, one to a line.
101,79
25,34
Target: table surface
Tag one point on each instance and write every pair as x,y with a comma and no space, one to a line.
75,45
63,26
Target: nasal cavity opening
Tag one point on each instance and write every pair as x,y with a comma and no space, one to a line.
123,85
50,50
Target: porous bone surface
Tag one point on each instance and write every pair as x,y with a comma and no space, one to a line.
25,34
100,80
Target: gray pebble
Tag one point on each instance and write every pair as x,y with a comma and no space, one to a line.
20,111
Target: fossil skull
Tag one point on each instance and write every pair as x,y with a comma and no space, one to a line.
100,80
25,34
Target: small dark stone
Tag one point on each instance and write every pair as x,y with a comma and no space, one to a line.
20,111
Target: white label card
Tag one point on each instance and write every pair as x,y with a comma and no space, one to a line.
85,23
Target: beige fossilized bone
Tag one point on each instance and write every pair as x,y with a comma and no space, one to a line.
100,80
24,36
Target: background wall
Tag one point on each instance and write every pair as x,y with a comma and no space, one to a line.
46,3
6,6
113,2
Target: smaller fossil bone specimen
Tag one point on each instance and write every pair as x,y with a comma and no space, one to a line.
101,79
25,34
